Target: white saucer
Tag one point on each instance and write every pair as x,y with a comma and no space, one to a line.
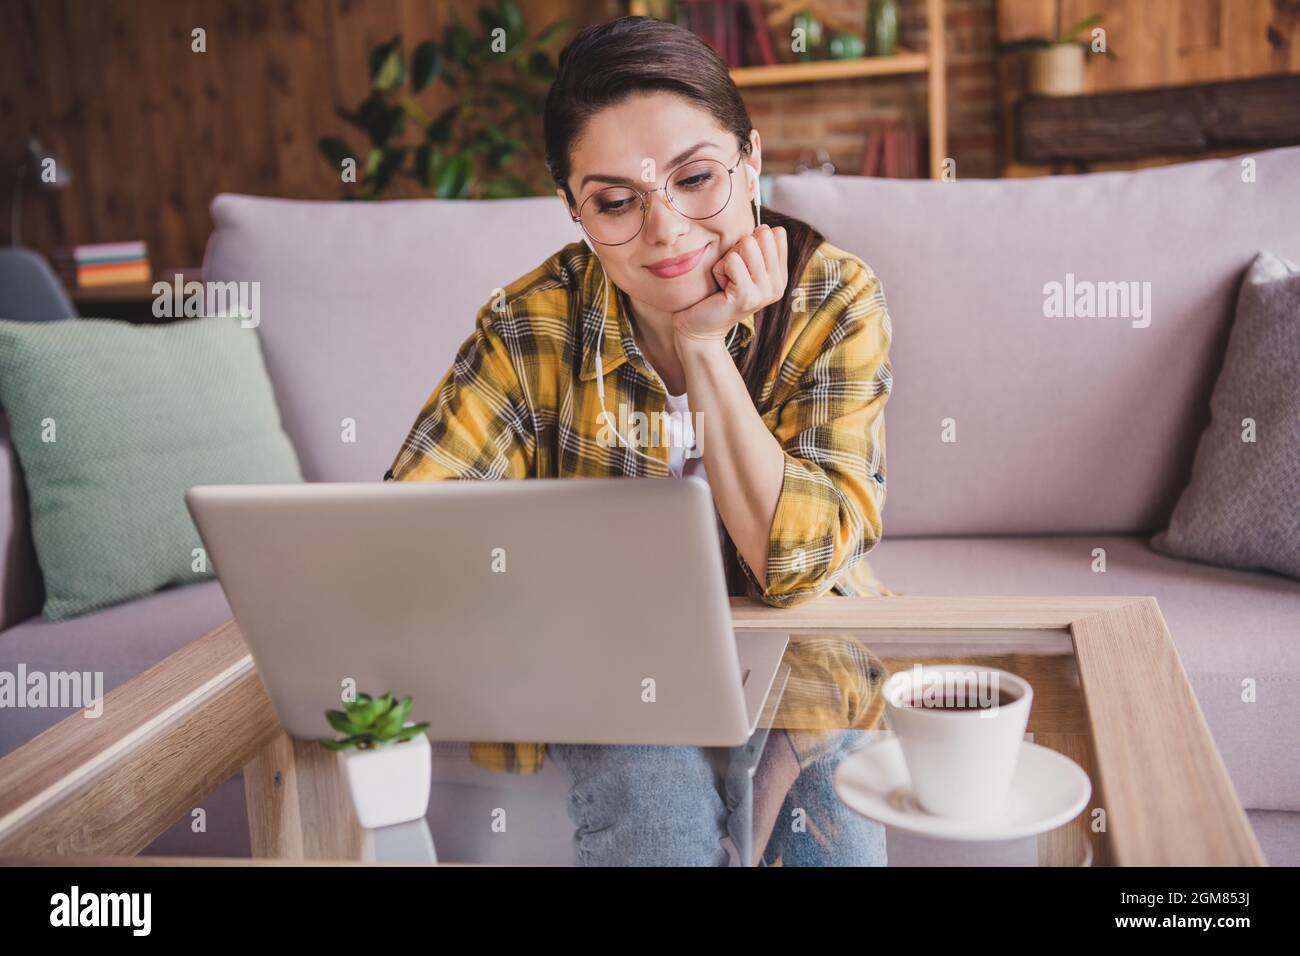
1048,791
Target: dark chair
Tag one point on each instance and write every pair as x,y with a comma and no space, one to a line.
29,290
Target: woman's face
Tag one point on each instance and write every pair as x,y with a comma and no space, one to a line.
646,136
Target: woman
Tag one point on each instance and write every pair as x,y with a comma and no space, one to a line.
676,298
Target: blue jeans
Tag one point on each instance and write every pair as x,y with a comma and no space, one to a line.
666,806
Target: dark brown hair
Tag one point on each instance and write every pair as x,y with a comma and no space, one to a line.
608,62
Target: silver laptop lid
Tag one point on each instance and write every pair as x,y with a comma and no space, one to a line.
548,610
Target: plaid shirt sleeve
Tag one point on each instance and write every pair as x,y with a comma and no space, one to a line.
832,431
475,425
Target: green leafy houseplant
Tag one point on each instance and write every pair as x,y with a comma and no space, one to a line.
372,722
469,150
1077,35
1056,67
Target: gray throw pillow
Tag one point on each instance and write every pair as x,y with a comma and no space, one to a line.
1242,507
112,423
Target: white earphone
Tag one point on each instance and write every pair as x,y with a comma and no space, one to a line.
604,316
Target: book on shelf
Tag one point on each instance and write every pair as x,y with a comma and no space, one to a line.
891,151
101,264
758,31
737,30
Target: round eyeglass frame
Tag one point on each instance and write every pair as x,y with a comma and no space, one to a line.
645,198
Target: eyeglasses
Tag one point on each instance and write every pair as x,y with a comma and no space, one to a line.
698,189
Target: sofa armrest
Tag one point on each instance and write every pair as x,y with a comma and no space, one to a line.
163,741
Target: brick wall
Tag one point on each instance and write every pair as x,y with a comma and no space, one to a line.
795,119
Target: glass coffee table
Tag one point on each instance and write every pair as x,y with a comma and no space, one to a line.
1109,693
1050,822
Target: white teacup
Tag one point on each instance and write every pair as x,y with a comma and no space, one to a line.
961,761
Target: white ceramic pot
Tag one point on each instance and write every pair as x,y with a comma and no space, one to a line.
389,784
1057,70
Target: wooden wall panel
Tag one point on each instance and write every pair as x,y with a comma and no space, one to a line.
152,132
1172,42
1157,43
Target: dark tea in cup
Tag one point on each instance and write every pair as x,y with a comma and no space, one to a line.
960,729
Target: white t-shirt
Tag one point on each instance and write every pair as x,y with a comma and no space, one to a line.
681,439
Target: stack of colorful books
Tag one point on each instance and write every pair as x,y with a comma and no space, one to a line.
105,263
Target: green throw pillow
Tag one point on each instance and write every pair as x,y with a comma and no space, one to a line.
112,423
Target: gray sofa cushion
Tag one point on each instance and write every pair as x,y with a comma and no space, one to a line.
1278,834
1227,625
120,641
1242,508
363,305
1062,424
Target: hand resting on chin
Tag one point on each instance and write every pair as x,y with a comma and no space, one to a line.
750,275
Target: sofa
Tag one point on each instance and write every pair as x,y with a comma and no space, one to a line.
1018,444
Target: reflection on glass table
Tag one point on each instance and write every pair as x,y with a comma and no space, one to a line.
773,801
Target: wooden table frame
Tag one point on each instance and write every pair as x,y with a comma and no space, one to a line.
168,738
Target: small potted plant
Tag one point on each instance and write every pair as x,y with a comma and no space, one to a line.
386,759
1056,65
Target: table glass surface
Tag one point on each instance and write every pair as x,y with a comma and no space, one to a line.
773,801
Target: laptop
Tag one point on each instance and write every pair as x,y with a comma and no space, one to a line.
545,610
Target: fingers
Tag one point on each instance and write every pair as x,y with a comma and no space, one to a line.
741,290
752,253
720,274
771,245
767,246
754,273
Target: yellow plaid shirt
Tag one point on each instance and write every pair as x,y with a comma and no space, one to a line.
520,401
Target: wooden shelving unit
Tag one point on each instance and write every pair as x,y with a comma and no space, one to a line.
904,61
932,62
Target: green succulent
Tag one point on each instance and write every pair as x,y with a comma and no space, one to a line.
372,722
